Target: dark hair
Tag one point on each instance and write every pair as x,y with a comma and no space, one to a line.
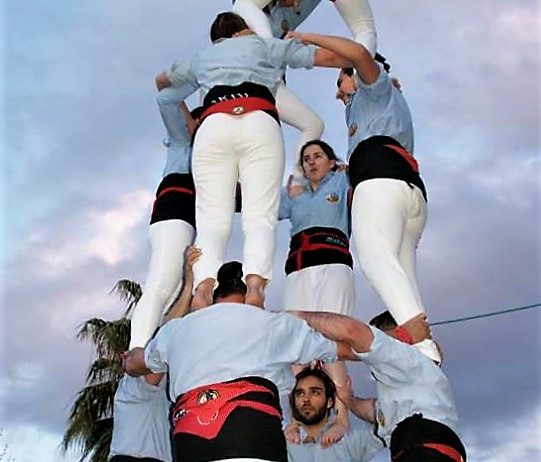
383,321
325,147
229,280
226,25
383,61
330,387
345,70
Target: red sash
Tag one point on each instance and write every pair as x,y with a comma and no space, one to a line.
203,411
449,451
239,106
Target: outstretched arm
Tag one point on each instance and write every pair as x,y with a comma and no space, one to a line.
363,408
352,52
342,329
184,301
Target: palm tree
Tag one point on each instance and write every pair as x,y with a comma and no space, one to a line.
90,423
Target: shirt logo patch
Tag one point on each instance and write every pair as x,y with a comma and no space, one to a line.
352,129
381,418
332,197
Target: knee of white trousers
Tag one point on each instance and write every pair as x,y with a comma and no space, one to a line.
147,315
369,40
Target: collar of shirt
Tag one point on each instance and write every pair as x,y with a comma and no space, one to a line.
324,180
305,436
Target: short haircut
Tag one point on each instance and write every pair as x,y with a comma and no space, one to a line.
330,387
226,25
383,321
230,280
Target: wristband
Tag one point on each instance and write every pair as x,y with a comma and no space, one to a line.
403,335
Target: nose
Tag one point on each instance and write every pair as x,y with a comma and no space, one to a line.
338,94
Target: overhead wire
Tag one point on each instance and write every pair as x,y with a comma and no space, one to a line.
485,315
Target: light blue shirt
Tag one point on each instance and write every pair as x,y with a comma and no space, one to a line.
407,383
141,427
179,151
284,19
236,60
327,206
230,340
359,444
379,109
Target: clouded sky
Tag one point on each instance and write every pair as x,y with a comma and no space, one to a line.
82,157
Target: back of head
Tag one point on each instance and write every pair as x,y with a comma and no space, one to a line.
226,25
229,280
383,321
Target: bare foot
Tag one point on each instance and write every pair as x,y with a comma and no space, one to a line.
202,296
292,433
335,433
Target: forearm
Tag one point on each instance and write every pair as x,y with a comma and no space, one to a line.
363,408
339,328
183,303
354,53
328,58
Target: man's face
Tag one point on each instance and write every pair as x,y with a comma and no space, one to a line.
311,405
346,87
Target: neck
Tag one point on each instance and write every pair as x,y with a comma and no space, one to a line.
315,430
231,298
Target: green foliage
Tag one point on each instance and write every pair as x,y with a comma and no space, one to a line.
90,423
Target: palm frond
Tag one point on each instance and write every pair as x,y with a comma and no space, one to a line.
129,292
93,404
104,370
109,337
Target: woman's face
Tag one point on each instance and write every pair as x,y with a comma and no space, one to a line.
316,164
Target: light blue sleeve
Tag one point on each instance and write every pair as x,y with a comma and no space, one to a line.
156,351
181,75
284,211
362,442
303,343
291,53
381,88
395,360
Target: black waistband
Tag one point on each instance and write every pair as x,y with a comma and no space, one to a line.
318,246
415,431
221,93
376,158
175,199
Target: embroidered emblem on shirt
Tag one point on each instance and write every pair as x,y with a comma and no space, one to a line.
207,395
381,418
332,197
352,129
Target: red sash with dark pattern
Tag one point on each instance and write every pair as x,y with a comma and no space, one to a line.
203,411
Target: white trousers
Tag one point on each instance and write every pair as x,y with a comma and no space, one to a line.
357,15
388,218
321,288
168,241
227,148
